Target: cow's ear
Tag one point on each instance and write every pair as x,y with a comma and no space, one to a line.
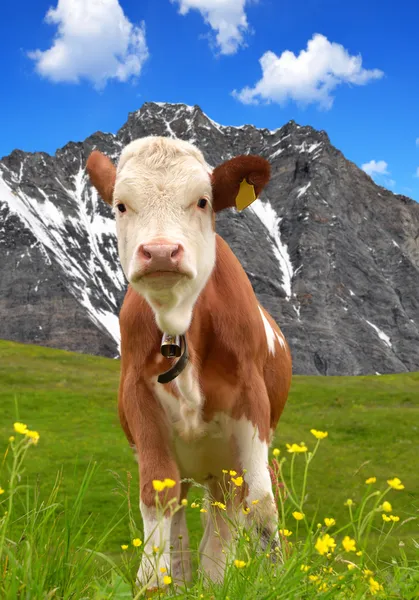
102,174
239,181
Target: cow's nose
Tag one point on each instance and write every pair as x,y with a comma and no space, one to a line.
160,255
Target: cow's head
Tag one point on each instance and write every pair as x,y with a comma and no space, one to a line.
165,196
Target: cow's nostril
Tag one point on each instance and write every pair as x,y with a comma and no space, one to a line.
174,252
147,254
144,253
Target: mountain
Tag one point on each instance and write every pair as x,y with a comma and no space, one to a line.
332,256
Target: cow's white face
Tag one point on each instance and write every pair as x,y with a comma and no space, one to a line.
164,196
164,219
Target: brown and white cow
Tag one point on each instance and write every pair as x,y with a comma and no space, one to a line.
220,411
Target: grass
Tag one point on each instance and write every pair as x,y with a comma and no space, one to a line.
70,399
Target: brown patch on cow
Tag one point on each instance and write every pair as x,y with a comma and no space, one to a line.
226,179
102,174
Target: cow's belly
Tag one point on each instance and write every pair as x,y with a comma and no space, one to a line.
208,454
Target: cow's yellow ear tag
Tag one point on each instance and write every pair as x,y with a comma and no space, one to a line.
246,195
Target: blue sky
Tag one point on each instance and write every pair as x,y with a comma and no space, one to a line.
72,67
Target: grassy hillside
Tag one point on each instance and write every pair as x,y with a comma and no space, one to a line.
373,425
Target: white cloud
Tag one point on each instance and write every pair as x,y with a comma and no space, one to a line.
94,41
310,77
226,17
417,172
376,167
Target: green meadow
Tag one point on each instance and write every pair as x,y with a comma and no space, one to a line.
71,399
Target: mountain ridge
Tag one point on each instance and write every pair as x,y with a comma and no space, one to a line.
332,256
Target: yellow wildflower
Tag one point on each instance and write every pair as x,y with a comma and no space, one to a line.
297,448
319,435
246,510
298,516
237,481
323,587
167,580
329,521
285,532
203,510
276,452
233,473
169,483
386,506
368,573
313,578
20,428
225,471
158,485
1,490
351,566
359,553
394,518
375,587
34,435
305,568
349,502
12,438
163,569
156,549
255,501
324,544
194,505
184,502
239,564
370,480
386,518
219,505
349,544
124,546
395,483
136,542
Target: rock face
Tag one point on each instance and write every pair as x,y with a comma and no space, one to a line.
331,255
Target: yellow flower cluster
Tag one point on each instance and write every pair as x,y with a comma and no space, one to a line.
167,580
325,544
395,483
298,516
285,532
329,522
136,542
375,587
297,448
386,506
389,518
239,564
23,430
349,545
276,452
159,486
319,435
238,481
370,480
219,505
1,490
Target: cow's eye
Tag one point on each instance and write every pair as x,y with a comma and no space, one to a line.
202,202
122,208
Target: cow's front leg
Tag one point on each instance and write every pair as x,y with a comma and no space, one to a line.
180,553
259,498
151,434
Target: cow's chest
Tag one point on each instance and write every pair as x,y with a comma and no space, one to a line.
202,449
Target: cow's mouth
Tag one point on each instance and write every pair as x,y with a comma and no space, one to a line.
170,276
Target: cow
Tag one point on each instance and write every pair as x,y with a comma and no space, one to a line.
205,370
